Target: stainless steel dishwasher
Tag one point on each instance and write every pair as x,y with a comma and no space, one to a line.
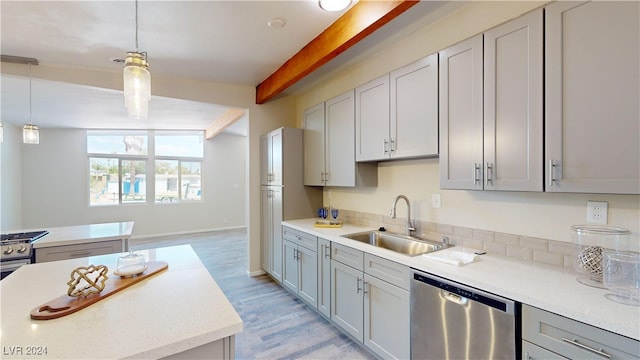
454,321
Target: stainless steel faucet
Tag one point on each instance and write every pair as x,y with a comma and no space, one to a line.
409,228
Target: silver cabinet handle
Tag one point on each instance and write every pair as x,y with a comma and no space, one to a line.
552,167
81,254
295,254
385,146
575,342
327,251
489,176
364,286
476,170
393,146
358,288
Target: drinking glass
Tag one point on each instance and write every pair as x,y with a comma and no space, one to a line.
622,276
334,214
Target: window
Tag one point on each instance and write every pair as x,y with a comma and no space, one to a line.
119,160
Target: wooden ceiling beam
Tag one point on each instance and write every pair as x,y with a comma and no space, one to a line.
361,20
224,121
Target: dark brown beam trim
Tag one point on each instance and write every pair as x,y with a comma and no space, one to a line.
361,20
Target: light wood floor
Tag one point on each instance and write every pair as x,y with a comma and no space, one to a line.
276,324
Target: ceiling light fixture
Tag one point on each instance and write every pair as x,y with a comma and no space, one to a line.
334,5
30,132
137,81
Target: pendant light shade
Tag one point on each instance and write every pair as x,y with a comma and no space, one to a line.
30,134
137,85
1,132
334,5
137,81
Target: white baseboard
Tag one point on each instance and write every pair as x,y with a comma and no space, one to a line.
255,273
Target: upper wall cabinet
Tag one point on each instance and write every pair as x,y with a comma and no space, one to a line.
271,161
397,114
329,146
491,125
592,120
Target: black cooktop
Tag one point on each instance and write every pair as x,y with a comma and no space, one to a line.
31,236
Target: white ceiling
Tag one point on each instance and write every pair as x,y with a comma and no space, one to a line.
222,41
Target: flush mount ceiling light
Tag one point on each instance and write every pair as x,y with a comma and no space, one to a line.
137,81
334,5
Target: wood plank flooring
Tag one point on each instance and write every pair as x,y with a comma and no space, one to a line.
277,325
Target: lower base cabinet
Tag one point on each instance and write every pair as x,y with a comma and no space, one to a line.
300,265
371,310
64,252
324,277
546,335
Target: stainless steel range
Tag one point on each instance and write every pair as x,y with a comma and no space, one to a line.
16,249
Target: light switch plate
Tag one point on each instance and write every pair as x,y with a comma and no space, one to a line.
436,201
597,212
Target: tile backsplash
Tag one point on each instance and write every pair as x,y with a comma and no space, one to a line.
524,248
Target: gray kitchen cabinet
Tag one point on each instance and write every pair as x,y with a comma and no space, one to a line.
64,252
300,273
324,277
592,131
271,205
287,200
366,305
329,138
573,339
271,161
535,352
372,120
397,114
491,125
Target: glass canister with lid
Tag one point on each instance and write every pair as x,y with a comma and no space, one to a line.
591,243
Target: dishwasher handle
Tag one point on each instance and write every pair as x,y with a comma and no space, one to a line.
449,296
466,292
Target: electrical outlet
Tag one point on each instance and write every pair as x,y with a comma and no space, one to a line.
597,212
435,201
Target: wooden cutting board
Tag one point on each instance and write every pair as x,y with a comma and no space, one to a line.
65,305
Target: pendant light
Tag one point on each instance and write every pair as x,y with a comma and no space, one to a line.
1,132
334,5
137,81
30,132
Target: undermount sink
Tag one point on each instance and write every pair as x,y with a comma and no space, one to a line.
399,243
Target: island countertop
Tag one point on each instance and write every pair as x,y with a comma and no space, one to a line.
70,235
176,310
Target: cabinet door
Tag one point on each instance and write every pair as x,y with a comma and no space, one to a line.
372,120
324,277
386,319
308,275
513,105
276,232
592,132
314,145
290,266
414,109
265,166
347,299
265,229
340,137
275,157
460,90
534,352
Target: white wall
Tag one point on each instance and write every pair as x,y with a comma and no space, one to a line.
541,215
55,189
11,176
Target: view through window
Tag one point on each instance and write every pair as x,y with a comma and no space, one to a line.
122,164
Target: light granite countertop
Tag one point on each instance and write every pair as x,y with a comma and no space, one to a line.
81,234
173,311
547,287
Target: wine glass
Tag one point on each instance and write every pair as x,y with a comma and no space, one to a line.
322,213
334,214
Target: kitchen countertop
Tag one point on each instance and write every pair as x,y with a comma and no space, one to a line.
543,286
170,312
69,235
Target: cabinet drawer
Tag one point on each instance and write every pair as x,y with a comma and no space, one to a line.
347,256
81,250
535,352
574,339
387,270
301,238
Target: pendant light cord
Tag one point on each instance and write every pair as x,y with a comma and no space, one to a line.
30,93
136,25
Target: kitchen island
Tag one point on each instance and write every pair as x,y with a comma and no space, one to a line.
178,313
83,240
